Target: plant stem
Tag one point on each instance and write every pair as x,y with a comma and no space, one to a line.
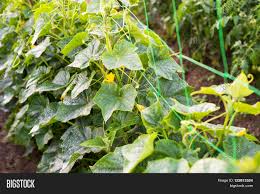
216,117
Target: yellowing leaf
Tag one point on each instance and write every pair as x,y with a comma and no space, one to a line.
247,108
212,90
239,88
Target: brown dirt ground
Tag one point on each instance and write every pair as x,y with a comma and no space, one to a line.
12,159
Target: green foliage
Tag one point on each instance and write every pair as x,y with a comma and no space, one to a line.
91,87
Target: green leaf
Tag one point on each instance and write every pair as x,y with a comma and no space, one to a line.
60,156
112,162
124,119
78,40
166,68
43,8
136,152
123,55
42,27
152,116
39,49
168,165
247,108
175,88
94,143
59,82
172,120
124,159
197,112
73,108
110,98
209,165
169,148
239,147
82,83
27,92
43,138
91,53
45,118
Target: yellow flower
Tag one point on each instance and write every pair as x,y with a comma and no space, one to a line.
140,107
241,133
110,77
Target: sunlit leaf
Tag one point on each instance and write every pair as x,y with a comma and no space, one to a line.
197,112
209,165
124,159
240,87
39,49
123,55
247,108
77,40
168,165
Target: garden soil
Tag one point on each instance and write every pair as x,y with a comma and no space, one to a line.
12,157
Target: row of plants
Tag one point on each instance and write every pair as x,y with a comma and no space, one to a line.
97,91
199,30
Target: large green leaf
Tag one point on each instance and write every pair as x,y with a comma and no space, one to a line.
124,159
110,98
123,55
136,152
197,112
77,40
46,117
73,108
91,53
123,119
168,165
112,162
98,142
239,147
39,49
175,88
61,156
209,165
166,68
153,115
169,148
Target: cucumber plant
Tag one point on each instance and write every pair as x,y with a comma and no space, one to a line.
95,90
